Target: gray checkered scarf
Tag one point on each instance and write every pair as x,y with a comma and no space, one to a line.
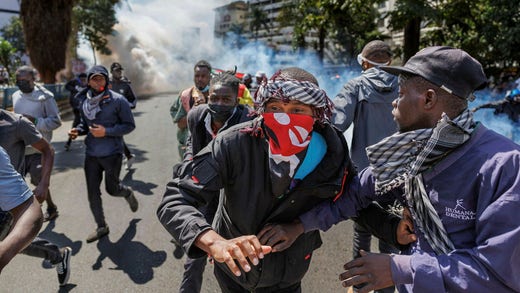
302,91
401,158
91,105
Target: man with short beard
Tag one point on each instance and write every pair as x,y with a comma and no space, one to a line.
190,97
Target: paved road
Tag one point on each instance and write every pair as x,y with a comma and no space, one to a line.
137,255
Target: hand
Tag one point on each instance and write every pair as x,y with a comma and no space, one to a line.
200,100
280,236
239,249
40,192
73,133
97,130
373,269
31,118
405,229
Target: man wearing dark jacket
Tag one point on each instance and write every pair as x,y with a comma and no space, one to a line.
74,86
366,101
106,117
121,85
205,121
267,170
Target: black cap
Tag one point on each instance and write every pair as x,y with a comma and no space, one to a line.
97,70
116,66
453,70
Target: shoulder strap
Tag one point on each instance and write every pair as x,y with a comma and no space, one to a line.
185,99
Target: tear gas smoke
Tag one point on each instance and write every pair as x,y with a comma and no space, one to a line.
499,123
159,41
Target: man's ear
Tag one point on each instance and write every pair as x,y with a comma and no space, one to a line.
430,99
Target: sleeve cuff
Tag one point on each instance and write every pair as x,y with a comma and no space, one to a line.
109,132
401,269
308,222
192,233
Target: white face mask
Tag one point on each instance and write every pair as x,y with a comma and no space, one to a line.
360,60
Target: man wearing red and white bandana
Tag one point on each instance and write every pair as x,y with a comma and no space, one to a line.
267,170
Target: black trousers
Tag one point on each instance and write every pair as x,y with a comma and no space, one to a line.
44,249
94,168
228,285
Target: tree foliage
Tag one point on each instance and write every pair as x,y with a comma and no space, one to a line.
13,33
6,53
410,16
258,19
46,26
486,29
350,24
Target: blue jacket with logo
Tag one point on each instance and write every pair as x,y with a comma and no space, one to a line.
476,193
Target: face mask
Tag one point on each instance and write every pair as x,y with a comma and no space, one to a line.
25,86
205,89
220,113
288,134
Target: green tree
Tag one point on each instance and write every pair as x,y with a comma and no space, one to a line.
408,15
257,20
486,29
94,21
500,29
350,24
46,26
6,53
13,33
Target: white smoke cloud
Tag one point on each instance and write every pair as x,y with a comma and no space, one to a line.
159,41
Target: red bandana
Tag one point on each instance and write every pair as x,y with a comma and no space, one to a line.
288,134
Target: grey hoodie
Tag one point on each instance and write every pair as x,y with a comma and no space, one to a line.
366,101
40,104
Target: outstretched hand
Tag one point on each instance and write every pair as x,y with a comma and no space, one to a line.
280,236
371,269
240,249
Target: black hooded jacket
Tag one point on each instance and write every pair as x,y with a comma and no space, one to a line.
237,162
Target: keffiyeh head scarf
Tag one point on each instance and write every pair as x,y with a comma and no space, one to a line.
284,129
287,89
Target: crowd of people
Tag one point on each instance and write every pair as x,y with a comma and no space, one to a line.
101,114
265,165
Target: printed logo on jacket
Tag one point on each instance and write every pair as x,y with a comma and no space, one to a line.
460,212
